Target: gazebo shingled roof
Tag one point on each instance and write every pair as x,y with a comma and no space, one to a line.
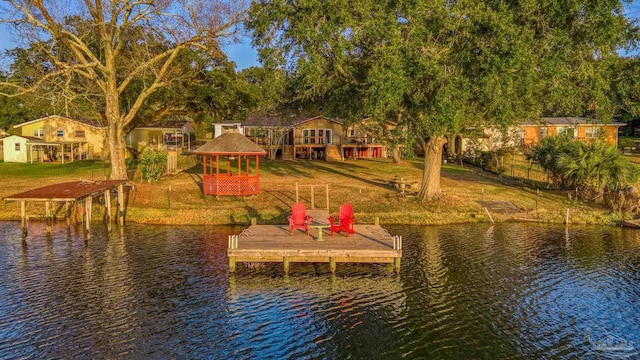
230,143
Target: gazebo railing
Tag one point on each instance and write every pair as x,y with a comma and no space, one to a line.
226,184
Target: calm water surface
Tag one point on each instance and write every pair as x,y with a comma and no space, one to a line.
465,291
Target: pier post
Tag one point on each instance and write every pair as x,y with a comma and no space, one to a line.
254,221
67,213
285,262
47,206
327,191
232,264
313,205
88,204
23,218
121,204
332,264
396,265
107,208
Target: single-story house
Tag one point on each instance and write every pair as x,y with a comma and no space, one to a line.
59,138
529,134
170,134
583,129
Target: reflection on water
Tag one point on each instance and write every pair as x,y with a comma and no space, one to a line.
465,291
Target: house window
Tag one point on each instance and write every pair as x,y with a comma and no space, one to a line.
38,132
543,131
60,133
591,132
567,130
17,146
80,134
230,129
316,136
352,132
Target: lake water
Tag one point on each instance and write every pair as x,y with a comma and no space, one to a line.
465,291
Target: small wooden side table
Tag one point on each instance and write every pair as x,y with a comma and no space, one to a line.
320,228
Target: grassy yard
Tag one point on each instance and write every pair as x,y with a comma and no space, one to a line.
364,183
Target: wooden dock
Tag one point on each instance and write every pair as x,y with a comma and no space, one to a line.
274,243
68,194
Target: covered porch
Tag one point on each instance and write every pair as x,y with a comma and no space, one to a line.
56,151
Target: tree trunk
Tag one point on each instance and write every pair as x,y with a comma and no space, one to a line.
453,149
117,147
430,188
397,156
115,132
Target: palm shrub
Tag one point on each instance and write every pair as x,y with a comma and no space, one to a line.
546,155
598,170
152,164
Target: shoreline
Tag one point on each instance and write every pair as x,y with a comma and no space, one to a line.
367,184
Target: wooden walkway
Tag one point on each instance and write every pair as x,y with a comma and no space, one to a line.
70,193
274,243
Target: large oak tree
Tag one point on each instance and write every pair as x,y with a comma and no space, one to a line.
88,43
440,67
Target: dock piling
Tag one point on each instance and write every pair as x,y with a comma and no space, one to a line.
121,204
88,204
48,220
107,208
232,264
396,265
23,219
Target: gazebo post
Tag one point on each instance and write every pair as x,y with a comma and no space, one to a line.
239,164
204,164
217,174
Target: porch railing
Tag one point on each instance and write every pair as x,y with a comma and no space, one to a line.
234,185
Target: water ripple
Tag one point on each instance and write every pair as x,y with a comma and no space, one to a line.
465,291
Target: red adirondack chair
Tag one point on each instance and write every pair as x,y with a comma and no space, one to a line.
299,218
344,222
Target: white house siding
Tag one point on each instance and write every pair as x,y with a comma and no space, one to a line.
10,152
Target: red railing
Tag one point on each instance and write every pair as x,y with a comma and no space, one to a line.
223,184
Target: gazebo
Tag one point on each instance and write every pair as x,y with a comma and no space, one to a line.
221,157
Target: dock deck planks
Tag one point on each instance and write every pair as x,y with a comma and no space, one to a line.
274,243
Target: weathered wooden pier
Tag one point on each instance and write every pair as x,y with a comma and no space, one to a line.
67,195
274,243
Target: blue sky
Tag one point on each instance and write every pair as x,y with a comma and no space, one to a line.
244,55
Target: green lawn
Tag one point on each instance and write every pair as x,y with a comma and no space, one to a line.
85,168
